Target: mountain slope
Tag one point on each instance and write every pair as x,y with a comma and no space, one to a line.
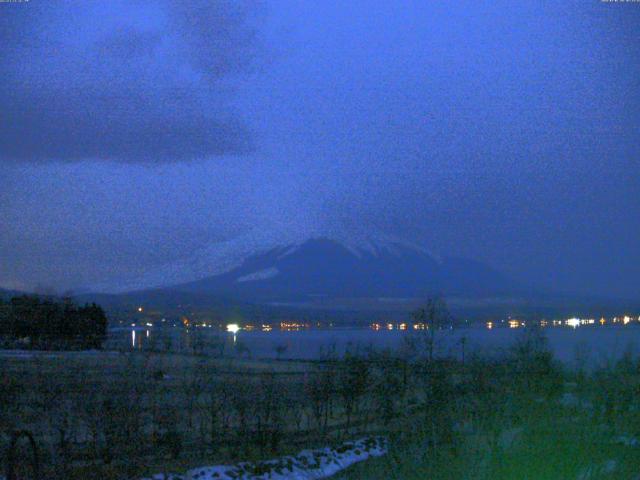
324,268
321,277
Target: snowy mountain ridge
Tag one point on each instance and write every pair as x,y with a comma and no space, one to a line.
221,257
325,268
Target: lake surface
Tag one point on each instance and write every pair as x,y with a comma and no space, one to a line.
594,344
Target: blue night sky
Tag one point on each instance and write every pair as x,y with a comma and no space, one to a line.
146,142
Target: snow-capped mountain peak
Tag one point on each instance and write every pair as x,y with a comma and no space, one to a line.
330,269
251,267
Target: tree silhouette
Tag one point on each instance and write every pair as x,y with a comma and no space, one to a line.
46,323
433,316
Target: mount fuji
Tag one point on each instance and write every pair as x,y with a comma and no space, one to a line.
322,268
326,275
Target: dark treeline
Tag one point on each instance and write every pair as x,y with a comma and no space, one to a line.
36,322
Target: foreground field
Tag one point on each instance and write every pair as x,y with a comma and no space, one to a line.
126,416
548,444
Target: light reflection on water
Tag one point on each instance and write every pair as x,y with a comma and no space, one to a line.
603,343
137,340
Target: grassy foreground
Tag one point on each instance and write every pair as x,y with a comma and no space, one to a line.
548,444
523,416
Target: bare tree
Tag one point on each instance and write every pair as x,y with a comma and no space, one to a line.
433,316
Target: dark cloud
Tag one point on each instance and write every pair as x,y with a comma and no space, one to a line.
142,81
502,131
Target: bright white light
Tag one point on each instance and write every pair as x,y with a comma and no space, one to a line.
573,322
233,328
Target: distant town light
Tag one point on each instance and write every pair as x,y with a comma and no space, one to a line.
573,322
140,309
233,328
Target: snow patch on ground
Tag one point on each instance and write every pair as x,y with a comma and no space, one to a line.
307,465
